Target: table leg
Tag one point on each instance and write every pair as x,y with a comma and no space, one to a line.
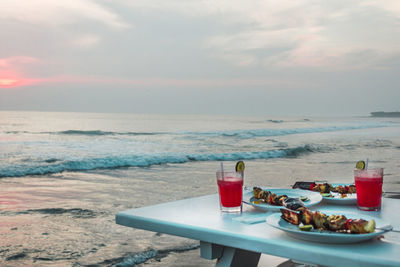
228,256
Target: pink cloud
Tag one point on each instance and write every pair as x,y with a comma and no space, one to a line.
12,74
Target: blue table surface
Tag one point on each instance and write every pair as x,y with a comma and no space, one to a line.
200,219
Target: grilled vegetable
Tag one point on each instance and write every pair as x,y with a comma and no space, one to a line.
306,216
268,197
322,188
290,216
258,193
360,226
325,187
320,221
370,226
281,199
304,185
352,189
337,222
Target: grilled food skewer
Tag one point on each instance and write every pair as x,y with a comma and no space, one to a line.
321,221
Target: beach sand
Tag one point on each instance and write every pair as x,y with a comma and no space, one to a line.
68,219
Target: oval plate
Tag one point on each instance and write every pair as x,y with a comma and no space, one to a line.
276,221
314,197
351,199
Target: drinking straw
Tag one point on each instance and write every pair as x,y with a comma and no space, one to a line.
222,170
366,164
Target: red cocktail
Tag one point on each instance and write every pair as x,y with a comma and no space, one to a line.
230,188
369,188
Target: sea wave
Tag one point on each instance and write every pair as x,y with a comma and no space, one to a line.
147,160
85,132
98,132
241,133
133,259
276,121
288,131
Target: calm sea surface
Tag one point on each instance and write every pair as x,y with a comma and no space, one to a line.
63,176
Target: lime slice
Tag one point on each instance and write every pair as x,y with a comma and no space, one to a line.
304,198
360,165
239,166
306,227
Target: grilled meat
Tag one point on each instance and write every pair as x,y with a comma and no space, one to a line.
337,222
290,216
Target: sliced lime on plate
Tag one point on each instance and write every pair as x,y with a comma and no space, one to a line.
304,198
307,227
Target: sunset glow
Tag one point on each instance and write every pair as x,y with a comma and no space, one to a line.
13,71
8,82
12,82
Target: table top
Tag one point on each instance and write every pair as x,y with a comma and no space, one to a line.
200,219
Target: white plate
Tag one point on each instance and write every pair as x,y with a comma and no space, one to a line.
351,199
276,221
314,197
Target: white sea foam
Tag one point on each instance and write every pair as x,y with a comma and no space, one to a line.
28,150
145,160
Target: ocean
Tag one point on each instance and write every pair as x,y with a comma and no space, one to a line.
63,176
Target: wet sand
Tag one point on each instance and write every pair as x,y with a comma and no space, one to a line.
68,219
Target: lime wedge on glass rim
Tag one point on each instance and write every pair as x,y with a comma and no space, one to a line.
239,166
360,165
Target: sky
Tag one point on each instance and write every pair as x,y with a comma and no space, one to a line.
304,57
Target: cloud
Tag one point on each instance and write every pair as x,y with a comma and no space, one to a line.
303,33
57,13
86,41
12,71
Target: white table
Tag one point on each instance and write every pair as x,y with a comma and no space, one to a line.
236,242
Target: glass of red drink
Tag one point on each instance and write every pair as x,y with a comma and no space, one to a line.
230,188
369,188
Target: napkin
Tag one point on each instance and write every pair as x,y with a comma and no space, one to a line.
251,219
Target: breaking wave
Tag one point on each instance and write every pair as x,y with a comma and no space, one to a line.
147,160
74,212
